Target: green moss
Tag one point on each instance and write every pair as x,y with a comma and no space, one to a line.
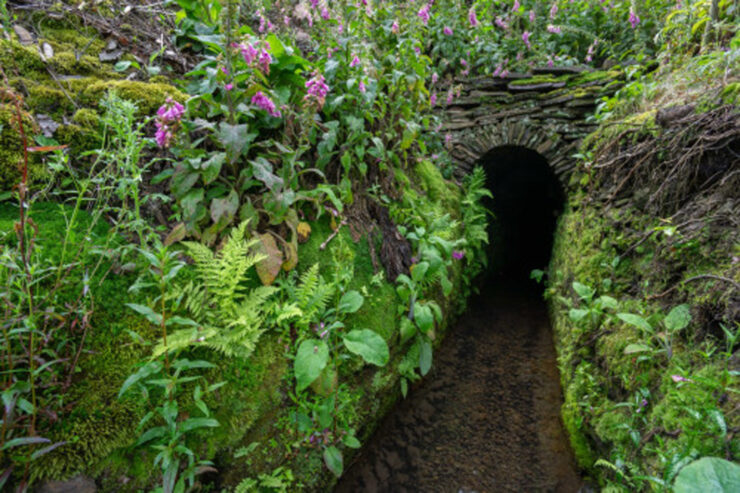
539,79
146,95
48,99
86,118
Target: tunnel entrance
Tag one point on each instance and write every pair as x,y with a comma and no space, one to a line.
527,200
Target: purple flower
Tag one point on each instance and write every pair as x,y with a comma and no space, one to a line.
361,87
472,18
633,20
163,135
500,23
463,62
447,31
229,86
515,7
525,38
679,378
550,63
553,10
325,14
532,17
424,14
435,78
265,103
449,96
553,29
355,62
170,111
394,27
314,3
265,60
417,50
457,254
316,88
249,53
448,140
433,99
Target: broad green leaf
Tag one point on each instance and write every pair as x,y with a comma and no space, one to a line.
636,348
333,460
608,302
234,138
145,371
678,318
407,329
708,475
424,317
418,271
425,357
148,313
635,320
311,358
369,345
583,291
351,441
350,302
212,167
195,423
577,314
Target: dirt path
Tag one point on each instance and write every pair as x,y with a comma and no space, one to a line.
487,417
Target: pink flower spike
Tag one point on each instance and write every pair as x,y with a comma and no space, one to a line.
424,14
458,255
472,17
525,38
553,29
515,7
229,86
553,10
265,103
394,27
433,99
447,31
633,20
532,17
435,78
361,87
355,62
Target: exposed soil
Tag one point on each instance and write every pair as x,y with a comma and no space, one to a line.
486,419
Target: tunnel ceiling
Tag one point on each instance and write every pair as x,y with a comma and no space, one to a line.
546,112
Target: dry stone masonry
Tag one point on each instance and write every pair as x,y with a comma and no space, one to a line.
547,111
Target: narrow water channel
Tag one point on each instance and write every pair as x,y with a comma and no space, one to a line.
486,418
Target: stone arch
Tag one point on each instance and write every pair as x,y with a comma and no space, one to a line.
548,113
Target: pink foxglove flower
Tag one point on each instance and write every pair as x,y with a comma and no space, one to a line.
633,20
525,38
501,23
171,111
263,102
532,17
265,60
550,63
316,89
472,17
447,31
424,14
433,99
450,95
229,86
355,62
435,78
553,29
458,255
448,140
361,87
679,378
394,27
553,10
515,7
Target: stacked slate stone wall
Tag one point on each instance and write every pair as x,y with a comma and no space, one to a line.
547,111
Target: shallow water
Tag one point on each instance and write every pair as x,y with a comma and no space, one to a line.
486,417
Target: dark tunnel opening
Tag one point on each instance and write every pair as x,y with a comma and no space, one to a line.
527,200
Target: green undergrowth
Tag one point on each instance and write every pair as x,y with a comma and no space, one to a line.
67,87
643,398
